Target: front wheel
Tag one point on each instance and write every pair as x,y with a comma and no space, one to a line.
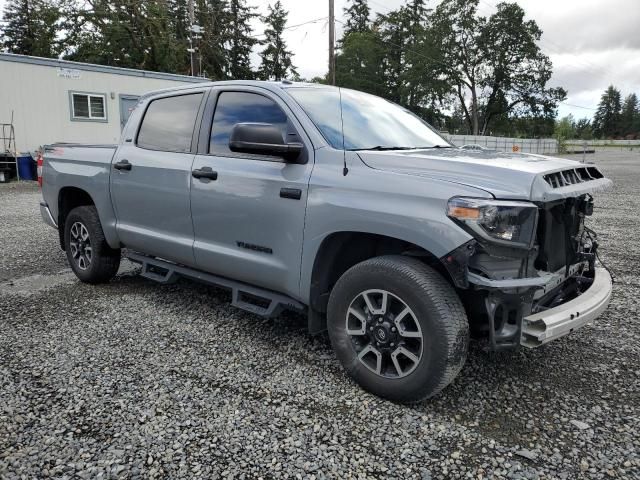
398,328
89,255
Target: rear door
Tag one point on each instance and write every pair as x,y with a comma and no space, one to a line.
151,178
249,221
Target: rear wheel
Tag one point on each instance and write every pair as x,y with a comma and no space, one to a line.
398,328
89,255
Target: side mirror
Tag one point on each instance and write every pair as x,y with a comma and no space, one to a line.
264,139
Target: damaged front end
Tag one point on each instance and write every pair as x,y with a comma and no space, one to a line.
529,275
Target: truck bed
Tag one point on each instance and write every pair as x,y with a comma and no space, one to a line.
85,167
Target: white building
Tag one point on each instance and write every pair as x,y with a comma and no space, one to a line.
61,101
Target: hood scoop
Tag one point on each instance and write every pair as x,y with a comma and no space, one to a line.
572,176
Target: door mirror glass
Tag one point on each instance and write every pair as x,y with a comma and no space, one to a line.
262,139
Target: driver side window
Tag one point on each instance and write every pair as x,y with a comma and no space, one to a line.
241,107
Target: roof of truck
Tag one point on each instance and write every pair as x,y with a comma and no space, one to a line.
270,85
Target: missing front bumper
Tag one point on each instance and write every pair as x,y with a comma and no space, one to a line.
542,327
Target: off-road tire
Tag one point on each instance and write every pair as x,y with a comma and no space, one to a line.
105,260
438,310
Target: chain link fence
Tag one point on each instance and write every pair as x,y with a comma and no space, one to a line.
506,144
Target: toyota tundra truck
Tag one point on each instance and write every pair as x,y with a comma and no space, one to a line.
342,206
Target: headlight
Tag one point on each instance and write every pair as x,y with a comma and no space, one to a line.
508,223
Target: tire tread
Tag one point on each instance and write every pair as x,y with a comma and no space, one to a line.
107,259
454,326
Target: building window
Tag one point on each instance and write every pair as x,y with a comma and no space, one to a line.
88,107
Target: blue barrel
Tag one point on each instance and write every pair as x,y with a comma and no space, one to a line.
27,167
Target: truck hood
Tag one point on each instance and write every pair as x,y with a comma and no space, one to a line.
504,175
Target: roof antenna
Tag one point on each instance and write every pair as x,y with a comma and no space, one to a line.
345,170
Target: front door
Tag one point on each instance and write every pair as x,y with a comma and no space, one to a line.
127,104
249,221
151,179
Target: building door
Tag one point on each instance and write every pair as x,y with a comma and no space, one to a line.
127,104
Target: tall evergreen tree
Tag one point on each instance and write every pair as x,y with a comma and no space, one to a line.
213,16
179,15
127,34
419,92
606,121
240,40
357,14
276,59
31,28
391,57
630,114
359,64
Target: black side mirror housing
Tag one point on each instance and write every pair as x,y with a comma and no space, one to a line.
263,139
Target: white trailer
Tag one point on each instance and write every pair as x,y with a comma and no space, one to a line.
61,101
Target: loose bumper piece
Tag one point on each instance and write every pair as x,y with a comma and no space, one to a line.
545,326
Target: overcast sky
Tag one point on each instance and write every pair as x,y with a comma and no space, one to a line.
592,43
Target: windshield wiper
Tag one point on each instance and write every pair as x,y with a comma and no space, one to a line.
380,148
435,146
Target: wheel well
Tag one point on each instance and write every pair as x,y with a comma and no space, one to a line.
68,199
341,251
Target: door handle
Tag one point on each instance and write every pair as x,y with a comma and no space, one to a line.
293,193
204,172
122,165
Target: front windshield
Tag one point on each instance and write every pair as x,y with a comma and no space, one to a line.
369,122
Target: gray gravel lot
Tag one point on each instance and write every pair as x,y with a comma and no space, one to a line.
135,379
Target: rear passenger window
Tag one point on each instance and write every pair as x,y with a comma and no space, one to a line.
241,107
168,123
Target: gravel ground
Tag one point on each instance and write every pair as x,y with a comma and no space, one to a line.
135,379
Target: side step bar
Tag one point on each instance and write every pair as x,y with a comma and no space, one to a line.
253,299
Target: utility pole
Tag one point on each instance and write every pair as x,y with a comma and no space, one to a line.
332,41
191,49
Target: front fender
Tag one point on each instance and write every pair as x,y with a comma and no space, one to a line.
404,207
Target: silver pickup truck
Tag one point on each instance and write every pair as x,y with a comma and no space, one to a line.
345,207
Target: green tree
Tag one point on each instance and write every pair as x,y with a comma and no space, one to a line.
629,115
494,65
357,13
564,130
359,63
606,121
276,59
215,19
126,34
419,92
240,41
583,129
32,28
391,58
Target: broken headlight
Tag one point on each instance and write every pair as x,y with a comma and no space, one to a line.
509,223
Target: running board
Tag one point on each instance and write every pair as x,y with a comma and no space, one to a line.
247,297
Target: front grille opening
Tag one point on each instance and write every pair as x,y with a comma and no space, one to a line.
557,234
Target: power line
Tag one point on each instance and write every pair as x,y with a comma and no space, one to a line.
578,106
